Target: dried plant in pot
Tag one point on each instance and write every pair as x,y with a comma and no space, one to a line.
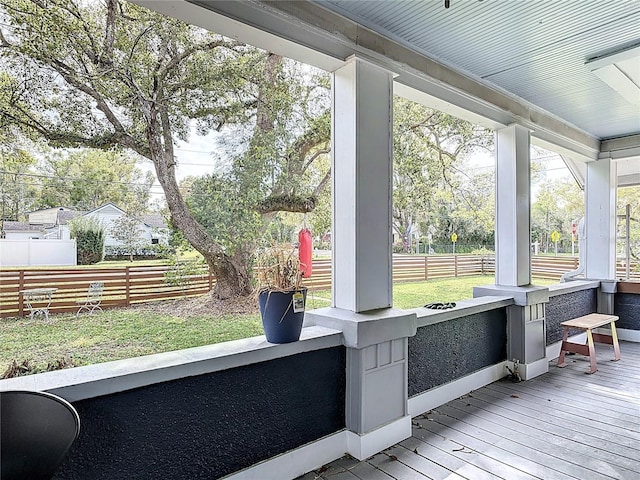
281,296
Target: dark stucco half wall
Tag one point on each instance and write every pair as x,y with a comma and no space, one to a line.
445,351
565,307
210,425
627,307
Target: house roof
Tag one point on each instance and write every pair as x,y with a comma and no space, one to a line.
65,215
10,225
50,209
154,220
106,205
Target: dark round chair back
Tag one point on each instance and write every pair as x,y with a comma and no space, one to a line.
36,431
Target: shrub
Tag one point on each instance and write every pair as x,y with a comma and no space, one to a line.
89,234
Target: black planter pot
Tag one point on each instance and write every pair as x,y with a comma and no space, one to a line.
281,319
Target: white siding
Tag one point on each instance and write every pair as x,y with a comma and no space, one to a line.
107,215
22,235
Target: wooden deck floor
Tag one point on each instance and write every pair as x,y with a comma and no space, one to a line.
564,424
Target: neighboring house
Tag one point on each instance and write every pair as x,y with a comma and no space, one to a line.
52,223
21,230
48,216
47,223
153,228
158,228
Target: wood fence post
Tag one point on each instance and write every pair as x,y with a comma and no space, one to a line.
210,279
127,287
426,273
20,296
455,265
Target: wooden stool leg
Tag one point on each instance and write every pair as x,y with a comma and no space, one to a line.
592,352
565,337
616,345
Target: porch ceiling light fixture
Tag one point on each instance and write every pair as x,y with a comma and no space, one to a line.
621,71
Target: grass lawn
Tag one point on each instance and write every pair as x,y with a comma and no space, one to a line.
129,332
412,295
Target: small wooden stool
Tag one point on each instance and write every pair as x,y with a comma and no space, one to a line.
589,322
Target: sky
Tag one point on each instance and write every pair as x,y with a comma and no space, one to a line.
201,155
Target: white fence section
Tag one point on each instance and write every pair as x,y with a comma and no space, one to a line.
37,252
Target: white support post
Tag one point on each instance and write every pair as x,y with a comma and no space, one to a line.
526,319
600,219
374,334
513,207
362,127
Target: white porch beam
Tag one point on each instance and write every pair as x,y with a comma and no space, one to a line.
600,219
513,207
362,186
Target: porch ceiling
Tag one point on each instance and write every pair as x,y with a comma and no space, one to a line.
492,62
540,52
537,51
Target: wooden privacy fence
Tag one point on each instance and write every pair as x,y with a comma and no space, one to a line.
414,268
126,286
417,268
122,286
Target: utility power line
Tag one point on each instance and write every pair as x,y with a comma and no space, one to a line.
73,179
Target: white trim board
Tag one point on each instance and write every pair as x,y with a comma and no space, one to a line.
296,462
368,444
306,458
437,396
534,369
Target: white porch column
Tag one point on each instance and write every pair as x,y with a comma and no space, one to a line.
362,186
513,207
375,335
525,319
600,219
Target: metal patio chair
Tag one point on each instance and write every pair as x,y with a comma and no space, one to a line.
93,300
36,431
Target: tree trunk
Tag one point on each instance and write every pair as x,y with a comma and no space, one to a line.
232,273
232,276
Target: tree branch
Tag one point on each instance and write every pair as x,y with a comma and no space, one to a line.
322,184
316,154
3,41
176,60
106,58
287,203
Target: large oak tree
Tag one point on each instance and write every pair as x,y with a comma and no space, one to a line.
115,75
